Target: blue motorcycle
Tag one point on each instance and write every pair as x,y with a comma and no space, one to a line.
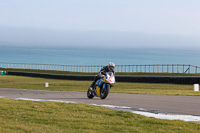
102,86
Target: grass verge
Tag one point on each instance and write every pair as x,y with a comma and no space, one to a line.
48,117
20,82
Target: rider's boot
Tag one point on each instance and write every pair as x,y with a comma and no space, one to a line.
92,87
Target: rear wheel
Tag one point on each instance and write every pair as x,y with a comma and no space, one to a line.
89,94
104,92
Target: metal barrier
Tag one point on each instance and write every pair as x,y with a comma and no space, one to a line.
137,79
156,68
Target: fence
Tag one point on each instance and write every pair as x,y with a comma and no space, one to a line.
156,68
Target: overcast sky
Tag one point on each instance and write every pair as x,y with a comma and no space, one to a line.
107,23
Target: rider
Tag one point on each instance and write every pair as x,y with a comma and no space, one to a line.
109,68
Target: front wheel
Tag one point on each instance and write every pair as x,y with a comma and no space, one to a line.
89,94
104,92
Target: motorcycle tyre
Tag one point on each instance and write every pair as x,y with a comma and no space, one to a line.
105,93
89,94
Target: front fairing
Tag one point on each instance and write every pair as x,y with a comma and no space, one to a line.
107,80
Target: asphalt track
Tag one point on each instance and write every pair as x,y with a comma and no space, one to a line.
189,105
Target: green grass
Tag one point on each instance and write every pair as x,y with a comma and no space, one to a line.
48,117
20,82
47,71
117,73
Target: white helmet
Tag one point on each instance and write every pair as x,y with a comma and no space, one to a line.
111,66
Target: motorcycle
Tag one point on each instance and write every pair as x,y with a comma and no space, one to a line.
102,86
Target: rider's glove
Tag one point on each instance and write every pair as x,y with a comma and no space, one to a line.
102,76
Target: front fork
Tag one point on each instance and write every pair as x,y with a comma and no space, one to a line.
104,87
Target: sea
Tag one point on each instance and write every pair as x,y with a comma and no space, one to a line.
98,56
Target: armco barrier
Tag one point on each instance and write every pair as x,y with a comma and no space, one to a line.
160,79
52,76
136,79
